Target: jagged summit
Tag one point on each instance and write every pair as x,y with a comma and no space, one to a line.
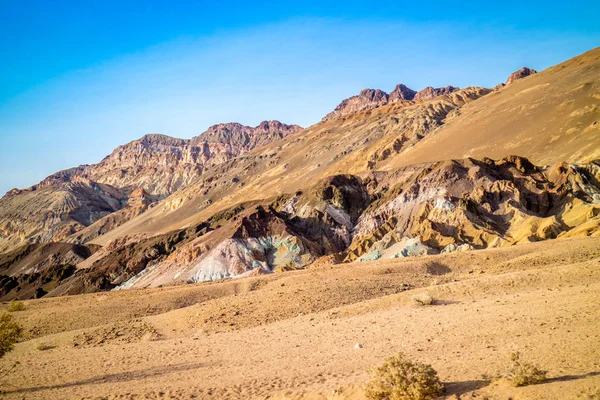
520,74
401,92
369,99
431,92
245,137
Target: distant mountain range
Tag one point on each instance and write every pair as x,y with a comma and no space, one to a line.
381,176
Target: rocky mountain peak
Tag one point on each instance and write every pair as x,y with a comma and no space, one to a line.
367,99
244,137
401,92
520,74
431,92
373,95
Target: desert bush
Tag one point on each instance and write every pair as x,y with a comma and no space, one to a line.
44,346
522,373
423,299
401,379
16,306
10,332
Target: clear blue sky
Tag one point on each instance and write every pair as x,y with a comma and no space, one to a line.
78,79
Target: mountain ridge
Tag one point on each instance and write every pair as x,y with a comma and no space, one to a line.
440,174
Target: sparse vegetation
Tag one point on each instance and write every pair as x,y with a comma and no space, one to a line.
402,379
16,306
423,299
10,332
44,346
522,373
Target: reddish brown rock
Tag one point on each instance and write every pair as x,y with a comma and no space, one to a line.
367,99
401,92
431,92
520,74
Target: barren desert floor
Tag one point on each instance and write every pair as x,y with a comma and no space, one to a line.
293,334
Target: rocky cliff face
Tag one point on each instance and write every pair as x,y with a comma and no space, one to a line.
520,74
128,180
369,99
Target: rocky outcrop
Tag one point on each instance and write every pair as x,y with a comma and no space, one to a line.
431,92
239,138
33,270
369,99
401,92
474,204
520,74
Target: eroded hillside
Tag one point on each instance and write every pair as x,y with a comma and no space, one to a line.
122,185
383,176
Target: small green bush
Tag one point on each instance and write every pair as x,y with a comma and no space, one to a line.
522,373
16,306
10,332
401,379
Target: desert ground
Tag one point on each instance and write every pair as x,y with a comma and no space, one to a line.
293,335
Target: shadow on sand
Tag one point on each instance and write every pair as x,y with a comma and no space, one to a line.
461,388
120,377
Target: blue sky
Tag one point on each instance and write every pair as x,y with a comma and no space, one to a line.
77,80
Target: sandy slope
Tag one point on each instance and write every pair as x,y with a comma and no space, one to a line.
292,335
546,117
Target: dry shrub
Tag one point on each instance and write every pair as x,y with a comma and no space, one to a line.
10,332
423,299
522,373
44,346
401,379
16,306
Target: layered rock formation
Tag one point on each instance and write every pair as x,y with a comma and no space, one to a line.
128,180
367,99
447,206
361,186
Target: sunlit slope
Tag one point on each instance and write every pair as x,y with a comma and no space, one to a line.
548,117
